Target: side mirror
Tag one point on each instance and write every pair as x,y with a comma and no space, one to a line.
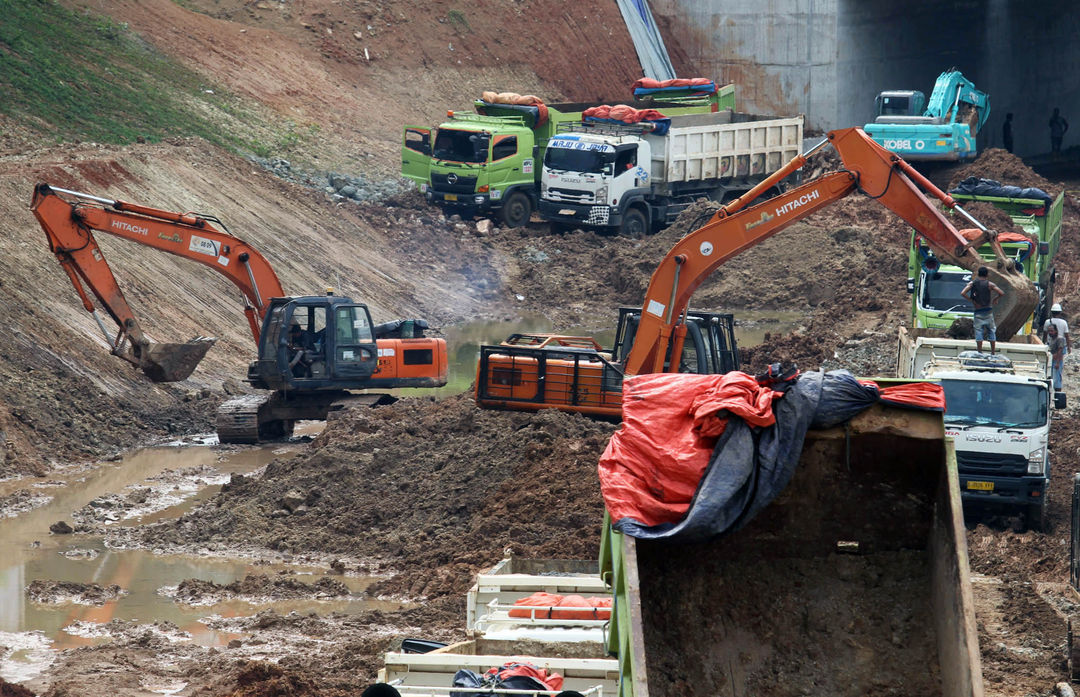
1044,248
910,286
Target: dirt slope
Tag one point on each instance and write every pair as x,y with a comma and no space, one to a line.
305,59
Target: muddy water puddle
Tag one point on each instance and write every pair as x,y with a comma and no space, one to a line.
464,340
162,482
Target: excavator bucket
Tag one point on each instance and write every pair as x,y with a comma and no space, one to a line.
1014,309
174,362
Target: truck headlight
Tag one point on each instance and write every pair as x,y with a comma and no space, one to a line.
1036,461
601,195
478,200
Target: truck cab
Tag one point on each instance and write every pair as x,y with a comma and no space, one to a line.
936,301
592,178
474,165
997,412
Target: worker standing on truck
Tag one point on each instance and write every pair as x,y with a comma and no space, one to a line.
1056,344
1006,133
983,295
1057,319
1058,126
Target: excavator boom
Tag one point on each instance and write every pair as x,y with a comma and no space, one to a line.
70,219
869,168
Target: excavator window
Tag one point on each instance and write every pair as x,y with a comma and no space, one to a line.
353,336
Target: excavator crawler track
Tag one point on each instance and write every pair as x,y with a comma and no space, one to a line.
263,417
246,419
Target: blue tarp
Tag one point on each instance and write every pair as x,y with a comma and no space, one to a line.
974,186
660,126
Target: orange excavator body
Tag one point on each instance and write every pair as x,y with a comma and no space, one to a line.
343,349
661,331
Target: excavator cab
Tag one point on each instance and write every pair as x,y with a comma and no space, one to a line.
708,349
893,103
315,343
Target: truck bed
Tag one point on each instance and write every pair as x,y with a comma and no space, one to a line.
853,582
416,674
492,596
724,146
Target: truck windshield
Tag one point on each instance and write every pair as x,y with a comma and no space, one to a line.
941,291
586,161
460,146
971,402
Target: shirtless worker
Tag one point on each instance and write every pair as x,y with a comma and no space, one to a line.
983,295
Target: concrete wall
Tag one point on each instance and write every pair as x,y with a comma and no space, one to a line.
829,58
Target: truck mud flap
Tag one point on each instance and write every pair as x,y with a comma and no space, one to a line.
174,362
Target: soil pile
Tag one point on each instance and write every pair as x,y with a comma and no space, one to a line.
1008,169
61,592
430,491
257,588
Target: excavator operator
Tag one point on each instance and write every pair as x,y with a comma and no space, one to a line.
301,349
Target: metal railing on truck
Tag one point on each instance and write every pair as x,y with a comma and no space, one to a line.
571,377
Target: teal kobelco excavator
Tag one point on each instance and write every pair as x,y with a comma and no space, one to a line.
942,129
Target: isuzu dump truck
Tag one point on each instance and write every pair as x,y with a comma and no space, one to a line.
998,413
634,181
488,163
853,582
935,287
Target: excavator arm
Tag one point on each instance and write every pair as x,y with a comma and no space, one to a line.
70,219
869,168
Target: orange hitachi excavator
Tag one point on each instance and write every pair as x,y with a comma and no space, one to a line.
556,372
311,350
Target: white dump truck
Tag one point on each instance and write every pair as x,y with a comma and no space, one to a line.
997,412
627,178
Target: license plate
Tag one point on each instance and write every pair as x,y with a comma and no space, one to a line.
450,197
981,486
566,211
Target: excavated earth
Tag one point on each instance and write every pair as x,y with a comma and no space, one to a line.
421,494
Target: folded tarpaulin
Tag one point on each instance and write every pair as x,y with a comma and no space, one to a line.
696,86
509,676
674,472
974,186
528,105
621,113
552,606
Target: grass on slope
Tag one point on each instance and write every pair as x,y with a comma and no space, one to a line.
75,76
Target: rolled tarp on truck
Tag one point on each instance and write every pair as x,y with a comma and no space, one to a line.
854,580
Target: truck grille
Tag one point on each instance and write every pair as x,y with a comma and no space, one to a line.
462,185
570,195
971,463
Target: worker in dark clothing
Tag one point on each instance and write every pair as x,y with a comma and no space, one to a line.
983,295
1006,133
300,348
1058,126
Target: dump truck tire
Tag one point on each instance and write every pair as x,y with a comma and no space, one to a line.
516,210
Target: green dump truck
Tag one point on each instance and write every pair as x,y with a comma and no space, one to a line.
488,163
853,582
935,288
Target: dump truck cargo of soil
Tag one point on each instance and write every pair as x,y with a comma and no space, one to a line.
854,581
